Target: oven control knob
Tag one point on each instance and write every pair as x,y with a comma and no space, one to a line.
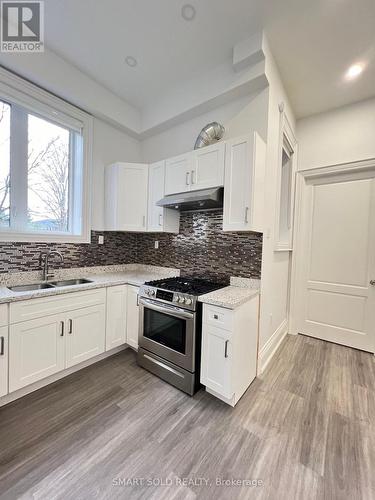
182,300
188,302
175,298
147,291
152,293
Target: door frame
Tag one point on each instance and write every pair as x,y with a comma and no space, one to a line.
305,178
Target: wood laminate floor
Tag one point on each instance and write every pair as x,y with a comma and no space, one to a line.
305,429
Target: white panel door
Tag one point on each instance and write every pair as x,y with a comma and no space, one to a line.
36,350
208,167
339,262
3,361
85,334
216,362
178,174
132,316
116,316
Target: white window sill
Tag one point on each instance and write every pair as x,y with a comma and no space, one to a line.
10,237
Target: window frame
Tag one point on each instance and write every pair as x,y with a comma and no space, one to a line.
288,143
17,91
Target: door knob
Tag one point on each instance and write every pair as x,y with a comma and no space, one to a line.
372,282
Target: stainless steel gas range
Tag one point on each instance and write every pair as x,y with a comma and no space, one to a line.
170,329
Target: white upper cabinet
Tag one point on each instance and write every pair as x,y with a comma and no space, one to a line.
177,174
245,164
159,219
126,188
200,169
208,167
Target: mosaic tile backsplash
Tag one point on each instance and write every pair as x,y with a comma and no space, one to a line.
201,248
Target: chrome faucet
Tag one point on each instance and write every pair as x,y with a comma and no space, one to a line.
44,262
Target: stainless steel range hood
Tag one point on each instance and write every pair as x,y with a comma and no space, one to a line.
204,199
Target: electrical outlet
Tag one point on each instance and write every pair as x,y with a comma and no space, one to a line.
156,245
101,240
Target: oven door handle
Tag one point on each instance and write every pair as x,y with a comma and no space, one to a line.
175,311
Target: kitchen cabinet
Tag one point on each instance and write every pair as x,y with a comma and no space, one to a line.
160,220
61,333
200,169
244,184
126,189
3,360
36,350
116,316
208,167
133,316
85,336
177,173
229,349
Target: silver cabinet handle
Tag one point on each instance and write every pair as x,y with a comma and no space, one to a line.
372,282
187,178
70,328
226,349
216,316
2,346
137,299
160,219
61,328
144,221
246,215
193,176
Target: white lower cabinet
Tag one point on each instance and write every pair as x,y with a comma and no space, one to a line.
46,345
217,366
116,316
133,316
3,360
229,349
36,350
85,336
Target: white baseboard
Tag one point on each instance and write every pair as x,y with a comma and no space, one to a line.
57,376
269,349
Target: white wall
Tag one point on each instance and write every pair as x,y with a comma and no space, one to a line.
238,117
340,136
275,265
109,145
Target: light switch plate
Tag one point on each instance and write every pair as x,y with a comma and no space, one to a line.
101,240
156,245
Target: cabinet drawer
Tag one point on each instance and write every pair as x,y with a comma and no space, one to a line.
3,315
54,304
218,316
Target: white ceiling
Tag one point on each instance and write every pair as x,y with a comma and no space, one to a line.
313,41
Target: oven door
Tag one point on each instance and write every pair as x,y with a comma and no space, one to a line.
168,331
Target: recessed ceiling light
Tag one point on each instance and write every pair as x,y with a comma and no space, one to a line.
188,12
354,71
131,61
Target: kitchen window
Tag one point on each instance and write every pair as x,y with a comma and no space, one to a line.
44,157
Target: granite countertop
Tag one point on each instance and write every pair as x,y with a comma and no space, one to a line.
114,275
240,291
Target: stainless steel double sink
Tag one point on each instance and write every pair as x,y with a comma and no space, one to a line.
51,284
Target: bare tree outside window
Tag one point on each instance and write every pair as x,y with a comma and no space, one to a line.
48,175
4,164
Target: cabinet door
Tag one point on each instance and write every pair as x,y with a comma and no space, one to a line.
155,193
208,167
85,334
133,317
238,185
36,350
126,197
244,179
178,174
3,361
216,362
116,316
